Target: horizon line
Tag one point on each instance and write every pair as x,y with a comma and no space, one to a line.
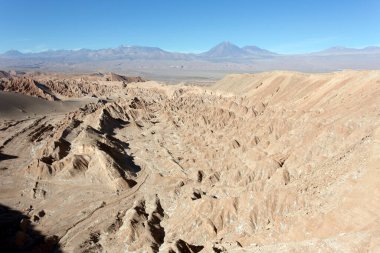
194,51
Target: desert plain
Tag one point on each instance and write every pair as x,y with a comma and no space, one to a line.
268,162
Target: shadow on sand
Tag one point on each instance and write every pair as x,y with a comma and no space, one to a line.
17,234
4,157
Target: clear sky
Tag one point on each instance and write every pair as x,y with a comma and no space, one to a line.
292,26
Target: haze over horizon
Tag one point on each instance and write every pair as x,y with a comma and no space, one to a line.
296,27
221,44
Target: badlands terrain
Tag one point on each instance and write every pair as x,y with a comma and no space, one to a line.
266,162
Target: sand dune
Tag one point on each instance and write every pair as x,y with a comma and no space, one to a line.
18,106
268,162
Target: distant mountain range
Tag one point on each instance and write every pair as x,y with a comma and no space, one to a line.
223,58
225,50
123,52
349,51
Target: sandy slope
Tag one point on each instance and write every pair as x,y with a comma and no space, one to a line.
18,106
270,162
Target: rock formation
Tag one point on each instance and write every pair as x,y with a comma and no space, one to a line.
269,162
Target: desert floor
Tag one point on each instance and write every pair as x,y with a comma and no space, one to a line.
267,162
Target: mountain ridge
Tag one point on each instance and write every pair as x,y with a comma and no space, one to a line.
224,49
154,62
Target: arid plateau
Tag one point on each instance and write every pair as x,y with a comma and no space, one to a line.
267,162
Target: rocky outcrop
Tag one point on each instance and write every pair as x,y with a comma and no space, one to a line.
50,87
28,87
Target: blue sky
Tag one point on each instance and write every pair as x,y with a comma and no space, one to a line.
188,25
